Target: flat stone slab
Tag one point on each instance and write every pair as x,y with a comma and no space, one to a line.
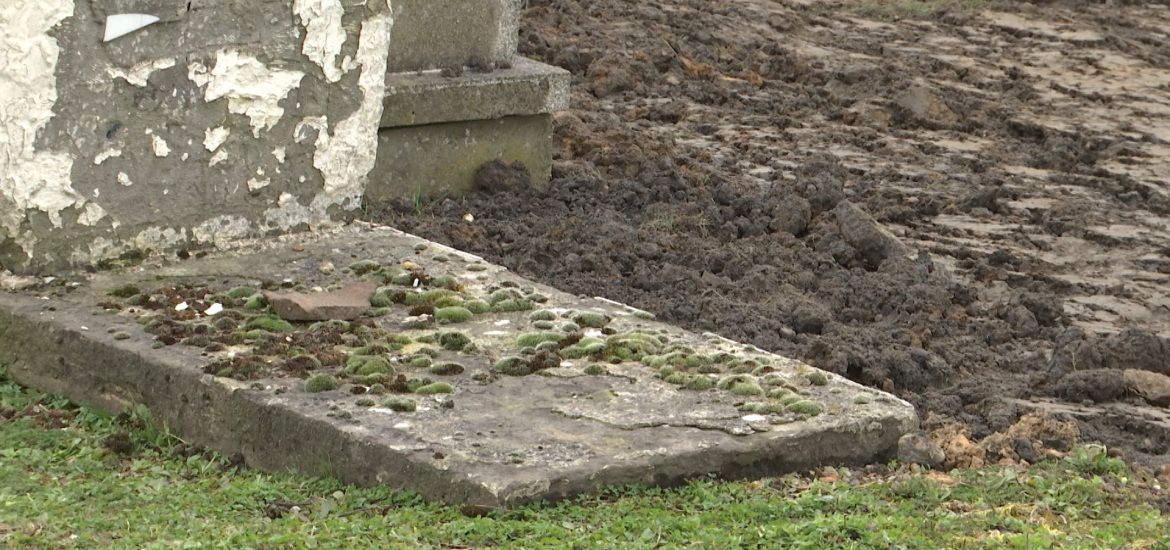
527,87
520,392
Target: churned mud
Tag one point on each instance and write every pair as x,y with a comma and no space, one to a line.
962,203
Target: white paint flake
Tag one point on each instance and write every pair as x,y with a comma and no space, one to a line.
30,179
252,88
124,179
214,137
324,34
139,74
279,154
91,215
217,158
161,149
106,155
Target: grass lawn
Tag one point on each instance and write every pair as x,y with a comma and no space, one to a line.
74,477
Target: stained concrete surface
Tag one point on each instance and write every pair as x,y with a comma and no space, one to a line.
437,159
495,440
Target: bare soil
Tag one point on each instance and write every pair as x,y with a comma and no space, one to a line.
962,203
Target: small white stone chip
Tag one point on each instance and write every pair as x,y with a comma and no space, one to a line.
182,307
215,309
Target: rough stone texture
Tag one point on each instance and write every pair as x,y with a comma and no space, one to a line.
443,158
527,88
346,304
227,118
917,448
433,34
1151,386
503,441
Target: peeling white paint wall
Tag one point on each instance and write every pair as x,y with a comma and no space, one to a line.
343,149
252,88
324,34
346,157
31,180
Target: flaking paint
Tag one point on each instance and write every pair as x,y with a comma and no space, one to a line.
33,179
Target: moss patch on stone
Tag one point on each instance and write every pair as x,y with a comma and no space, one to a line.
400,404
533,339
365,365
454,341
542,315
806,407
596,370
452,315
270,323
447,369
591,320
321,383
817,378
434,388
513,366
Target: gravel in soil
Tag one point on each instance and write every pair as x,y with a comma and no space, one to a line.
957,205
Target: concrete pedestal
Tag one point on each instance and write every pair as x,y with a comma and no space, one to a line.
230,119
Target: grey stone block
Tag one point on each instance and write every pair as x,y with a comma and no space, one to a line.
437,159
527,88
436,34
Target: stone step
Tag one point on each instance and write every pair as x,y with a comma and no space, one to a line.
437,131
634,401
527,87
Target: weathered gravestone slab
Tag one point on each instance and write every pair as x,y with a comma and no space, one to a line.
462,382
